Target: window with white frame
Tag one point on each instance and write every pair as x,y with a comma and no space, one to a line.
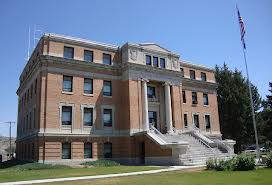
88,86
196,120
66,115
68,52
148,60
205,99
155,61
107,88
162,62
208,122
67,84
107,117
87,116
185,120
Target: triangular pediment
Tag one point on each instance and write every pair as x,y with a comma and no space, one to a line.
153,46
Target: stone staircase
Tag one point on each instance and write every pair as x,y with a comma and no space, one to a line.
197,152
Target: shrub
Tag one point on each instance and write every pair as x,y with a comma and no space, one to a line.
101,163
269,160
240,163
38,166
210,164
243,162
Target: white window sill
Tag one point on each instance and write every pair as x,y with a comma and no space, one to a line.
206,106
68,93
107,96
66,127
91,95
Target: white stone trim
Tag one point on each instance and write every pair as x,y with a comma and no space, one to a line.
82,106
68,127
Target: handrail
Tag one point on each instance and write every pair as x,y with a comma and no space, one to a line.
158,132
227,147
194,129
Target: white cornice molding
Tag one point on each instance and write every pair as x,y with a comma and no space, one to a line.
80,41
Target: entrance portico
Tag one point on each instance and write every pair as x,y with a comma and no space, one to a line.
168,123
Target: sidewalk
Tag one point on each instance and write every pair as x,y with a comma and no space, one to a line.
172,168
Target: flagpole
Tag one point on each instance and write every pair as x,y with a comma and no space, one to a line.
252,109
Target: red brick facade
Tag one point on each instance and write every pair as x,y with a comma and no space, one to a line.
40,132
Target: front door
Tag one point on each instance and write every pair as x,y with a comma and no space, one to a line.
152,117
142,152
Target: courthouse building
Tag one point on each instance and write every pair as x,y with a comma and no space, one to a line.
81,100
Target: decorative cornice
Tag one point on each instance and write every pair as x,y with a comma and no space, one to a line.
80,42
189,84
196,66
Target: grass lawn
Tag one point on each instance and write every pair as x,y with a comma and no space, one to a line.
256,177
12,174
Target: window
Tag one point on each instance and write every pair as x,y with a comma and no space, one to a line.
31,91
207,122
107,90
151,92
30,120
194,98
67,83
192,74
107,117
32,151
183,96
66,151
88,86
88,116
148,60
196,120
182,71
106,59
152,116
66,115
185,120
68,52
205,99
88,153
156,61
34,117
162,62
203,76
35,89
88,56
107,150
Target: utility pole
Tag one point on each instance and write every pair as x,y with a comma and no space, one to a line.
10,122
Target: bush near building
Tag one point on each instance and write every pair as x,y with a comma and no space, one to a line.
240,162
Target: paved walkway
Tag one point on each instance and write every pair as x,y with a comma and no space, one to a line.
172,168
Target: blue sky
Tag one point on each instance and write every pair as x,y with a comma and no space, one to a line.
203,32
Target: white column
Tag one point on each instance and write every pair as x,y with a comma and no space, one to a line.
145,105
168,108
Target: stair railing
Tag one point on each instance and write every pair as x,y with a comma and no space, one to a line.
194,129
222,143
152,128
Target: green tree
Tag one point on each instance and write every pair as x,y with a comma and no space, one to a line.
234,106
265,120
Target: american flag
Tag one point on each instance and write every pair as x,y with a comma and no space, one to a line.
242,28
